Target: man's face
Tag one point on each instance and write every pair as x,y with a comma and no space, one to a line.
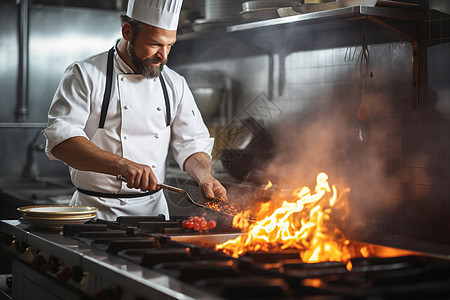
148,50
149,67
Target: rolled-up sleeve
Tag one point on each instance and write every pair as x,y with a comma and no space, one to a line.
69,110
189,133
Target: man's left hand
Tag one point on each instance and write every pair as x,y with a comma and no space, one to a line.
211,188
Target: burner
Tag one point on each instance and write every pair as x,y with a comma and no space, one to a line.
165,246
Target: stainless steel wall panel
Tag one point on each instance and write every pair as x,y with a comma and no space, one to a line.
8,60
58,37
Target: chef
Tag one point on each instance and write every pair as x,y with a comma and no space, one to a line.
117,113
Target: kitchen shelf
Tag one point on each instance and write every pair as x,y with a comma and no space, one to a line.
334,28
343,13
209,45
341,27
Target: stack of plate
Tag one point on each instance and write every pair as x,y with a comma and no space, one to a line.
56,216
264,9
220,9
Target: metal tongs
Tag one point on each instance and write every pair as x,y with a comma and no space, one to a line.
215,204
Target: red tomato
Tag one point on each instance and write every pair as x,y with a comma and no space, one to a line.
187,224
211,224
183,224
196,226
203,224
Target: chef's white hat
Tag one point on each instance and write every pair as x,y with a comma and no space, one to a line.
160,13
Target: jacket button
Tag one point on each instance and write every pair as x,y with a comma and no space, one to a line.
156,136
125,137
158,108
126,107
153,166
123,79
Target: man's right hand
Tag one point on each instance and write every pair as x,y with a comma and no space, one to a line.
139,176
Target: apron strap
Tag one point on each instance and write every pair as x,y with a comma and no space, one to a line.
116,196
107,93
166,99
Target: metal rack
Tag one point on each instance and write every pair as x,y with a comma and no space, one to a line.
312,31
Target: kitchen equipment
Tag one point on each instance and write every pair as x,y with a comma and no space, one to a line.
344,3
396,3
250,148
216,204
306,8
218,15
259,14
252,5
245,164
219,9
161,261
212,93
316,7
262,10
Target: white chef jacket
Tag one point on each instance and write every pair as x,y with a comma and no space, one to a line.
135,128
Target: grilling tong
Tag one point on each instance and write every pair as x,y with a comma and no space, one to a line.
215,204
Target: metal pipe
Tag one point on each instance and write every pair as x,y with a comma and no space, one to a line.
22,86
23,125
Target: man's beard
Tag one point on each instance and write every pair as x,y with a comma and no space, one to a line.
144,67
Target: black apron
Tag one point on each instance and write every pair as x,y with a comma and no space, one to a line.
101,124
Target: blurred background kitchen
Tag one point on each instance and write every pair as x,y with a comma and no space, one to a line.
362,97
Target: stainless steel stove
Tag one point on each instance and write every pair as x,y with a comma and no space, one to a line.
149,258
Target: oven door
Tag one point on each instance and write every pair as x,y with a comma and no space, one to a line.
32,284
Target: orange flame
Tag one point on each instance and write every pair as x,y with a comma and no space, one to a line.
305,224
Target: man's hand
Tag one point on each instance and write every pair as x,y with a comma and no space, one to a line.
211,188
198,166
139,176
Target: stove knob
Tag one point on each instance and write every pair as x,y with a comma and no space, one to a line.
64,274
101,294
21,247
38,262
51,265
112,293
7,239
9,282
77,274
48,265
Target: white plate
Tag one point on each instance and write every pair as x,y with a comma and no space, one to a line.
56,210
57,223
56,218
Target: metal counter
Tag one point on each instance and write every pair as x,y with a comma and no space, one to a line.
101,269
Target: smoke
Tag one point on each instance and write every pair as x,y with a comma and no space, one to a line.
339,139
